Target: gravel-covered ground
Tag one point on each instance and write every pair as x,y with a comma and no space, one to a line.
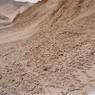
49,50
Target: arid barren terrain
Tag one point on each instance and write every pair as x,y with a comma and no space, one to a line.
49,49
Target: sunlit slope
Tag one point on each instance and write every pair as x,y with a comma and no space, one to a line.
26,22
48,13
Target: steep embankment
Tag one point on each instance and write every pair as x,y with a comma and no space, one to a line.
25,22
52,10
49,50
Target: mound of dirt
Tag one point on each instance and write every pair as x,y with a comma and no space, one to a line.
49,49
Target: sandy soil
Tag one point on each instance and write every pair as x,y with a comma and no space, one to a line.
49,49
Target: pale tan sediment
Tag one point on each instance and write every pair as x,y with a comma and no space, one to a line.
49,51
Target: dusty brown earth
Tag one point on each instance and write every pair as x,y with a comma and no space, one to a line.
49,50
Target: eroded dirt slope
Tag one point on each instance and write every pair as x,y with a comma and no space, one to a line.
49,51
